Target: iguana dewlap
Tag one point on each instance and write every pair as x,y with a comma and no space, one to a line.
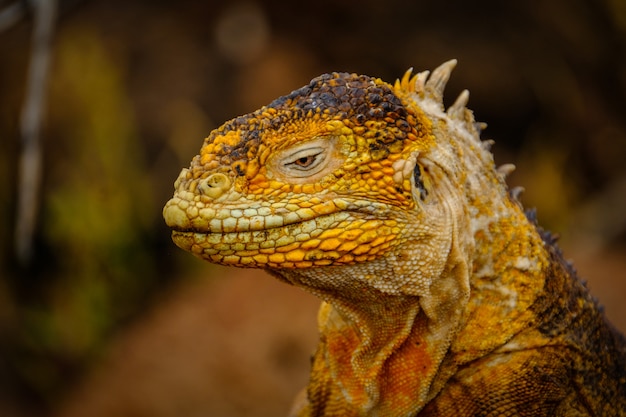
441,298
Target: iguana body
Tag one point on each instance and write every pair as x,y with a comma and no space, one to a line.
440,296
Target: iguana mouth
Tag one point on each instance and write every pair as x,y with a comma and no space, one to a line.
300,230
182,216
332,238
185,215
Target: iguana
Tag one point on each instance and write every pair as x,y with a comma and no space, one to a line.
441,295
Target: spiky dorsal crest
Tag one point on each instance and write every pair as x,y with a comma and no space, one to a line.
427,90
430,87
425,86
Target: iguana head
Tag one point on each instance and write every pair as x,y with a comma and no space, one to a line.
341,171
376,199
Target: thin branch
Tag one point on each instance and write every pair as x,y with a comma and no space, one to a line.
29,175
12,14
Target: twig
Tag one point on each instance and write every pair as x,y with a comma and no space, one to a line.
29,175
12,14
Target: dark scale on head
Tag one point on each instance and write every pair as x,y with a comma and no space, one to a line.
346,96
358,98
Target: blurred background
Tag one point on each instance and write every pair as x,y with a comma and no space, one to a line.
101,315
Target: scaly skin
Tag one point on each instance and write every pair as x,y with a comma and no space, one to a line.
440,297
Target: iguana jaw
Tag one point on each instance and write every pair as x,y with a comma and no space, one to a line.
388,315
343,237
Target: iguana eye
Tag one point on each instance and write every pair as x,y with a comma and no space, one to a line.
305,159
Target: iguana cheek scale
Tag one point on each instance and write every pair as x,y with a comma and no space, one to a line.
440,295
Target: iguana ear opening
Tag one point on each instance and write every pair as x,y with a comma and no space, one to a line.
409,172
419,189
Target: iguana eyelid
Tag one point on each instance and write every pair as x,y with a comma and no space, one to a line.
285,163
317,153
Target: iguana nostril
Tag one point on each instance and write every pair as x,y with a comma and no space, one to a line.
215,185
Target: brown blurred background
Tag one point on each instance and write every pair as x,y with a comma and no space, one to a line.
109,318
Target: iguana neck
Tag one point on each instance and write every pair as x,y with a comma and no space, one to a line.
508,258
369,337
510,263
369,342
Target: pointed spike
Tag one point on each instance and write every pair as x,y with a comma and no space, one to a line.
437,82
420,81
480,126
487,144
405,82
505,170
406,79
516,192
531,215
457,110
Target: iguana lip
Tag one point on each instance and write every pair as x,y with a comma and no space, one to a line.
182,217
203,242
340,237
294,228
329,232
